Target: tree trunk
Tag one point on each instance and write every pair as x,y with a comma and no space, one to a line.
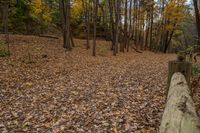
147,32
197,15
85,5
95,2
117,16
130,24
151,28
112,28
65,15
125,25
5,23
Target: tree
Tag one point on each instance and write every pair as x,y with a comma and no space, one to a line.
151,23
174,14
111,22
140,23
125,26
40,12
65,15
197,15
95,3
5,5
86,4
117,21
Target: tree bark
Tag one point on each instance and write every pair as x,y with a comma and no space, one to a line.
65,15
130,24
151,27
110,4
85,5
197,15
117,16
95,2
5,23
125,25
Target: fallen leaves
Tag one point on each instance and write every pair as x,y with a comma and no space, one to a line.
75,92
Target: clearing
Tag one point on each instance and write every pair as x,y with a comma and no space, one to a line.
43,88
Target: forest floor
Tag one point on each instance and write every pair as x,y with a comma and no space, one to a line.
74,92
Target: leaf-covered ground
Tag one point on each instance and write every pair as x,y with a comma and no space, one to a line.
45,89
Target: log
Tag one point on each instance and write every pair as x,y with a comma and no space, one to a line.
136,50
49,36
179,115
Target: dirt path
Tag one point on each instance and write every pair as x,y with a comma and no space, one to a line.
75,92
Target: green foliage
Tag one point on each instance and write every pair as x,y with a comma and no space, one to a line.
3,51
190,49
40,11
32,17
196,69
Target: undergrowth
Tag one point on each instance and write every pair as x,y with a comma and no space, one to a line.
3,51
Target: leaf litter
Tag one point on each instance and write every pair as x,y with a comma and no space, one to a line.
63,91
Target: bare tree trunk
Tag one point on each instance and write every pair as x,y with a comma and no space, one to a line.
136,24
88,25
65,14
151,28
147,32
125,24
110,4
197,15
71,39
85,5
106,22
130,24
117,16
5,23
95,2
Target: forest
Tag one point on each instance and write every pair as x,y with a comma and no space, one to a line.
99,66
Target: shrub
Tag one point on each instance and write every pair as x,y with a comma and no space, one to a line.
196,69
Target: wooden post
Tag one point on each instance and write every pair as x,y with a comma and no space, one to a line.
179,115
181,66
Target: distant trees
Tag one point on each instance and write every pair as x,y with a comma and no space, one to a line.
137,24
162,19
41,12
140,24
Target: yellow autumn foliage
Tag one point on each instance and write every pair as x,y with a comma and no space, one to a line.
77,9
175,13
40,11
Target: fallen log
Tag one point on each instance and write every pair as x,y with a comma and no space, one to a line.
49,36
179,115
136,50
